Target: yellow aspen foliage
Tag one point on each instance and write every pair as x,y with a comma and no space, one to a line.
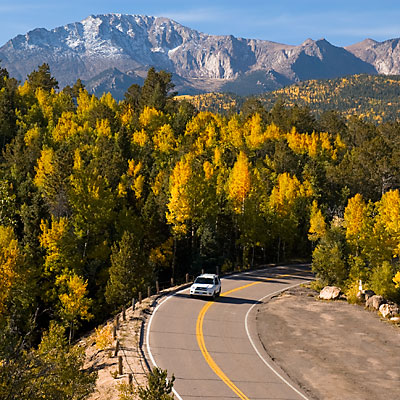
396,280
157,184
164,139
355,216
198,125
103,337
297,141
74,303
287,190
78,163
208,170
50,239
254,134
85,103
44,168
234,133
138,186
162,255
122,192
178,206
273,132
103,128
339,144
149,116
45,101
217,159
388,219
140,138
312,143
210,135
32,136
25,89
325,142
317,223
126,116
10,260
66,127
108,100
239,182
134,167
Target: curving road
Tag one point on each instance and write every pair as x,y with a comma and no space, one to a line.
212,348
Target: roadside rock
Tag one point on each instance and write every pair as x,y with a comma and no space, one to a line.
375,302
330,293
364,295
395,319
389,310
368,294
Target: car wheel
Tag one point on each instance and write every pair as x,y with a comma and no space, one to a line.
219,292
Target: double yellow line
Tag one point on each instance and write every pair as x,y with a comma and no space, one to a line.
200,340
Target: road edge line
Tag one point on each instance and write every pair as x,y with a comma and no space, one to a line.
255,347
149,353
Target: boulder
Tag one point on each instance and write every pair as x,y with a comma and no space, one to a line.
330,293
395,319
368,294
389,310
374,302
361,296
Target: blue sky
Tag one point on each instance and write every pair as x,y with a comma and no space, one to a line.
340,22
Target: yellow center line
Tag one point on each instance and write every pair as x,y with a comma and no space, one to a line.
200,339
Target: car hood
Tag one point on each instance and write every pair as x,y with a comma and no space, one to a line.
202,286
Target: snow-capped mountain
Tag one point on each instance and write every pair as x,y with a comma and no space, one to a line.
111,51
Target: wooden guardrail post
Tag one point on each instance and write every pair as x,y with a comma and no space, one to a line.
172,281
187,278
123,313
133,304
116,349
157,287
120,368
148,291
140,297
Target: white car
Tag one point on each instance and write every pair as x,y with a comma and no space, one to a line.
208,285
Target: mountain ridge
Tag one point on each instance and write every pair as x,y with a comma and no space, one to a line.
199,62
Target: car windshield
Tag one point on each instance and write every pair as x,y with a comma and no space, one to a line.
208,281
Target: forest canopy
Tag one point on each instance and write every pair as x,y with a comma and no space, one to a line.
99,199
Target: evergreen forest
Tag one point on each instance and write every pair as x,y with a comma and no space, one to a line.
99,199
373,98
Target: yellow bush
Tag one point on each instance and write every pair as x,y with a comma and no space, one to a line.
103,337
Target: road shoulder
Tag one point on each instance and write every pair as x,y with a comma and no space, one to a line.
330,349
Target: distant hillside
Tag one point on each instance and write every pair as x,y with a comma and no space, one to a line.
221,103
373,97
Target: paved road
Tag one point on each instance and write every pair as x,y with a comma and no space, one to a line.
212,347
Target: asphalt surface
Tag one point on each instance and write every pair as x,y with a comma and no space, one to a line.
212,347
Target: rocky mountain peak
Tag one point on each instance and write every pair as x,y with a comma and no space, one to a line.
130,44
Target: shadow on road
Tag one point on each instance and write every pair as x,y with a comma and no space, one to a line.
303,272
222,299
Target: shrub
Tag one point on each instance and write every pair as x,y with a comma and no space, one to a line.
329,259
159,386
381,282
103,337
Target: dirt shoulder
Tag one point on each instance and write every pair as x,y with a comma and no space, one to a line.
333,350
